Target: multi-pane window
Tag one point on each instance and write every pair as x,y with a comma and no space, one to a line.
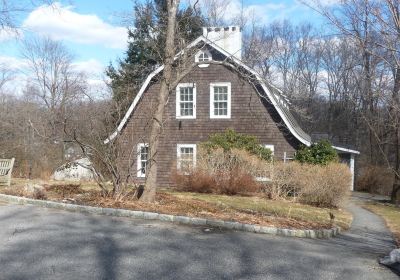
186,101
203,56
186,157
220,100
142,157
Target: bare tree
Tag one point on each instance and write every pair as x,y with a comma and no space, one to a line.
166,81
92,121
11,9
215,11
54,83
6,75
374,28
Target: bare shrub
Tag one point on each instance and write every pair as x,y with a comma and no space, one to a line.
324,186
198,181
375,179
235,181
284,180
34,191
229,183
235,171
39,194
219,160
220,172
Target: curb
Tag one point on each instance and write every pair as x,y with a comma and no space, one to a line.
303,233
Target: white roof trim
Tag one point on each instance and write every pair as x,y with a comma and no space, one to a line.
133,105
346,150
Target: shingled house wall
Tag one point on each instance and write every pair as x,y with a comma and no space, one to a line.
250,114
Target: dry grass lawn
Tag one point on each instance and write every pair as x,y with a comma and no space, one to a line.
390,213
247,209
274,208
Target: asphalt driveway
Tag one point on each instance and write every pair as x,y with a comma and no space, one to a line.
40,243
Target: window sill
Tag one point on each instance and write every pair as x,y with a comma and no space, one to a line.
185,118
221,117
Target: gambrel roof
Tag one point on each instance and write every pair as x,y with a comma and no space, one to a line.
274,95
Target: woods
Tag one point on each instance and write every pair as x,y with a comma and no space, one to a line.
342,79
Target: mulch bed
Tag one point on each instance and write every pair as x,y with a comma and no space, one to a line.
167,204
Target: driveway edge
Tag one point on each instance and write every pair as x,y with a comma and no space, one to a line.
303,233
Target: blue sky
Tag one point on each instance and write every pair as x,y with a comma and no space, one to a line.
95,30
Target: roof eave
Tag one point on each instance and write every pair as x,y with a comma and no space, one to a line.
346,150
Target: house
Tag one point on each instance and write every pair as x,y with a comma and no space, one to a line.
220,92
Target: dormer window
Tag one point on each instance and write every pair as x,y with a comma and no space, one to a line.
203,56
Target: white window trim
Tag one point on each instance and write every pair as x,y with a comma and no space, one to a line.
202,63
212,85
140,174
178,100
271,147
178,154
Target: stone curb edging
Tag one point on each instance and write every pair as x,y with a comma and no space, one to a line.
304,233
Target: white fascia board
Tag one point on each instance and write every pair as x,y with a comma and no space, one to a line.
346,150
133,105
283,116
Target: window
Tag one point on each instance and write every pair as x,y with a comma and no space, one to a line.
143,152
220,100
203,56
186,101
271,147
186,157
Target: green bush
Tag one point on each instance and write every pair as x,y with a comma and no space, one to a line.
229,139
318,153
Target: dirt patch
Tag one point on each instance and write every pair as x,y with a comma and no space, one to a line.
65,190
16,191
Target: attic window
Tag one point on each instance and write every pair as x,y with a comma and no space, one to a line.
203,56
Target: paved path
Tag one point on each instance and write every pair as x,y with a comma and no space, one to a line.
39,243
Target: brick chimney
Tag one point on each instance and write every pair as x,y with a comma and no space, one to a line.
228,38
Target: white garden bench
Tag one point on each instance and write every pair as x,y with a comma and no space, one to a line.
6,166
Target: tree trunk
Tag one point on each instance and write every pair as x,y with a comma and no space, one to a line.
395,113
396,182
395,190
157,122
